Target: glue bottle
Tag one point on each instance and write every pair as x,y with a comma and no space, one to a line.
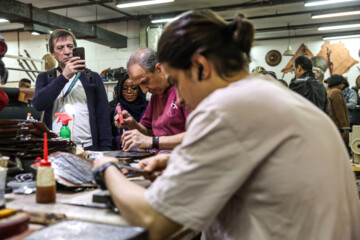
64,130
45,180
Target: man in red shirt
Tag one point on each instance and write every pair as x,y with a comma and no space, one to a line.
163,124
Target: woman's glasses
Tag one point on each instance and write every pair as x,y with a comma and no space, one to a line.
131,89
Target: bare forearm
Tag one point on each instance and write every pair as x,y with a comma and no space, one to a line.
130,200
170,142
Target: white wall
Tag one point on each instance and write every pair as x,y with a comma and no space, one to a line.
98,57
314,44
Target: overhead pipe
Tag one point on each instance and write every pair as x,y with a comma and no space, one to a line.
16,11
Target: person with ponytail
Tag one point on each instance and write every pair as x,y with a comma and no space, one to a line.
254,163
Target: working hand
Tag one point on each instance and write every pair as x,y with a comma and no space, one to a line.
134,138
73,66
102,160
129,121
154,165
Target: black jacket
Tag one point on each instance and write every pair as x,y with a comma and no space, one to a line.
46,93
312,89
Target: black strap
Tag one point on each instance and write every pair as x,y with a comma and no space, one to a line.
51,75
89,77
155,143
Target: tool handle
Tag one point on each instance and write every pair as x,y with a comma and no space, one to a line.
121,118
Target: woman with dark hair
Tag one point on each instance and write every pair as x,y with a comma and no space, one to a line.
249,167
130,98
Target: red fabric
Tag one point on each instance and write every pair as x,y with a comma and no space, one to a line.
164,116
4,99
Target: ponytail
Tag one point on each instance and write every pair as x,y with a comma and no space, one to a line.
243,33
206,33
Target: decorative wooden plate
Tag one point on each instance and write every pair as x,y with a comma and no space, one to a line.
273,57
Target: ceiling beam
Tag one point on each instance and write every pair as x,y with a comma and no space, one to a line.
74,5
254,4
90,3
174,14
249,4
310,35
19,12
115,10
113,20
232,7
305,26
342,9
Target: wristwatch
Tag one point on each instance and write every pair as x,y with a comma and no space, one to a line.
155,143
99,172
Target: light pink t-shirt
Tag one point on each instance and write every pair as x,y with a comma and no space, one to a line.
164,116
250,168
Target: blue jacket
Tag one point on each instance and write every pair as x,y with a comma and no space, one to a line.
47,92
351,98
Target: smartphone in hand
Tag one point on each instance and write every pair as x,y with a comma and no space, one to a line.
79,52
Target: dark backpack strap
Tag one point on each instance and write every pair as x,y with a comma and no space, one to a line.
51,75
89,77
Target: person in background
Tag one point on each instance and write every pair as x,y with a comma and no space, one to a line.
338,109
326,84
131,99
283,82
92,128
351,99
356,88
319,74
258,70
230,177
163,124
307,85
113,102
4,99
112,106
272,74
24,83
357,108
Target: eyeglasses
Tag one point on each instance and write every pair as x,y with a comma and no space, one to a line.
132,89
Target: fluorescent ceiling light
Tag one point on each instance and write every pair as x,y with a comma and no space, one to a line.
164,20
340,37
35,33
2,20
318,3
339,14
339,27
142,3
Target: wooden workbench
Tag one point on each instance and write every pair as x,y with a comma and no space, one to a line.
28,203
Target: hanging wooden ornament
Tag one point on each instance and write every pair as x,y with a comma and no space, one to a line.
273,58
